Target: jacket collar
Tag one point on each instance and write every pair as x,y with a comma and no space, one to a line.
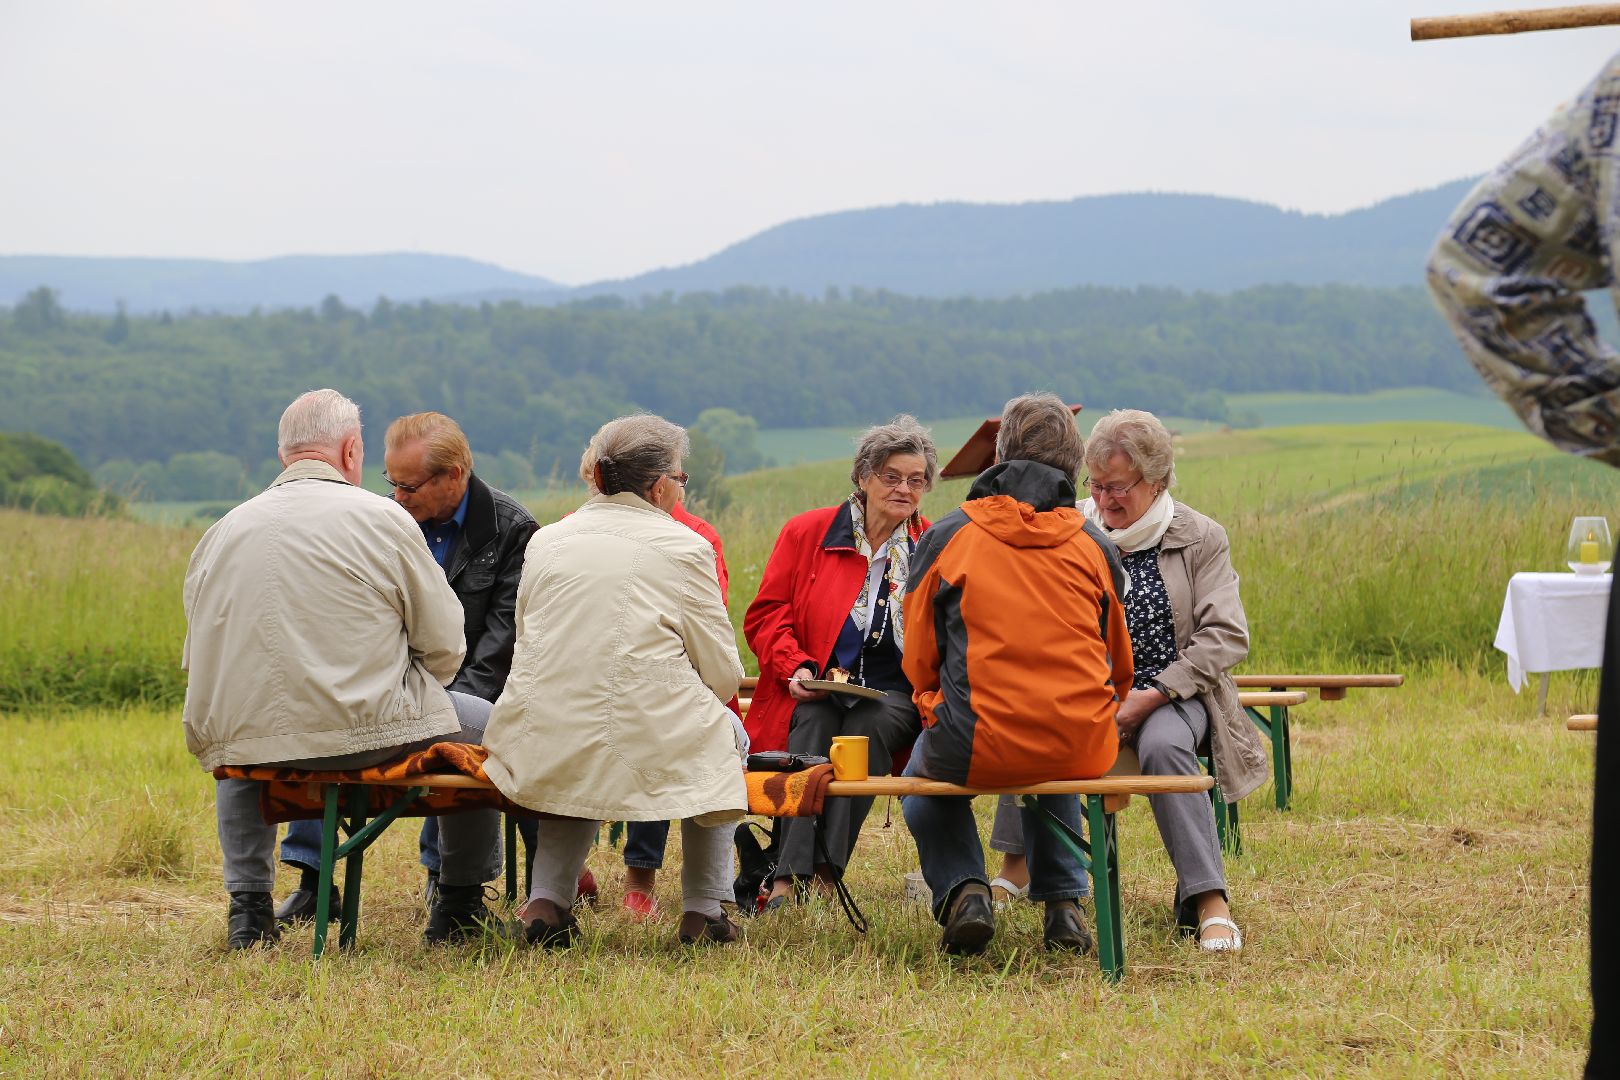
1030,482
308,469
840,534
478,527
628,499
1183,530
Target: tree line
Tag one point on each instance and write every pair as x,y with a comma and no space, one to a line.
531,383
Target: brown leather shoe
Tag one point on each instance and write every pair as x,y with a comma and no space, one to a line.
1065,929
969,921
698,929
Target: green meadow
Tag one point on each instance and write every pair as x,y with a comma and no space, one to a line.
1420,912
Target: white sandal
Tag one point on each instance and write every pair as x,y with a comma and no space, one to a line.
1014,892
1231,944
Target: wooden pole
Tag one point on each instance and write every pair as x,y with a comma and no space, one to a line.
1515,22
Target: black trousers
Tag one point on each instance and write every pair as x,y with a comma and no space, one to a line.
891,724
1605,1050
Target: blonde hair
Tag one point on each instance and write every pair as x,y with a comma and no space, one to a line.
879,443
317,420
1143,440
442,438
1040,427
631,453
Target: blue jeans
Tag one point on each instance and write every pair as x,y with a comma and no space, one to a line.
947,837
644,844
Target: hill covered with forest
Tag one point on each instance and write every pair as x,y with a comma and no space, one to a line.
536,381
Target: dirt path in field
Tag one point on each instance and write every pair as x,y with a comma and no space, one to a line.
141,904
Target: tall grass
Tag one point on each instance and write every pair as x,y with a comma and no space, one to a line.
1359,547
92,611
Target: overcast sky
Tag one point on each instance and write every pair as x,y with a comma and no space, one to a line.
581,141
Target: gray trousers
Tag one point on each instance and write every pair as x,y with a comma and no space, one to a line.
562,844
1167,746
469,842
891,724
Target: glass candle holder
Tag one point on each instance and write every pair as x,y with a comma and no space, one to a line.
1590,548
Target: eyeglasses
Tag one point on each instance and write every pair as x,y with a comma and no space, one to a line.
895,480
410,489
1116,490
679,478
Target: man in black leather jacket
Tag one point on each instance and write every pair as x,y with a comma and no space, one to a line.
478,534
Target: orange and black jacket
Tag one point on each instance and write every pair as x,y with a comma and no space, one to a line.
1016,644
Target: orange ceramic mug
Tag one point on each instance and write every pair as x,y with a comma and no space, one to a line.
849,755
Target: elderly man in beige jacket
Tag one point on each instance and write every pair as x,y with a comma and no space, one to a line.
320,633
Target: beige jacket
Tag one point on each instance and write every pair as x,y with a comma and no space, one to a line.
317,624
615,706
1212,637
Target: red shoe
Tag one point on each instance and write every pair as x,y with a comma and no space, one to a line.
586,892
641,906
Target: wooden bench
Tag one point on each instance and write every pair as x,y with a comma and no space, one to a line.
1275,725
346,807
1582,722
1228,826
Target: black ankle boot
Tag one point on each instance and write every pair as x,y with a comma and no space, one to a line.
458,914
252,921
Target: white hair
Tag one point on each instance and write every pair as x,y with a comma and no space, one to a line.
318,420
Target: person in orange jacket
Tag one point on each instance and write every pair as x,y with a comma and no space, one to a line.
1018,656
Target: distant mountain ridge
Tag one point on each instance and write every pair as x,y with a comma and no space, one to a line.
146,285
1188,242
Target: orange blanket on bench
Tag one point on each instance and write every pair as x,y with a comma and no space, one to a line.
789,794
296,795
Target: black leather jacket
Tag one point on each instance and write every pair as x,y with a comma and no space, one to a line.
483,569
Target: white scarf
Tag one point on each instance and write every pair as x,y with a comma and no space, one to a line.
1145,532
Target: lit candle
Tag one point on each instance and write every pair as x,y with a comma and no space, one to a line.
1589,548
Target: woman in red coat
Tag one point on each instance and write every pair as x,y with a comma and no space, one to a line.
831,597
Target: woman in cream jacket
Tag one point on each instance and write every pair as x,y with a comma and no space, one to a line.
615,708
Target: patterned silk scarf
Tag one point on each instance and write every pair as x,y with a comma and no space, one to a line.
898,547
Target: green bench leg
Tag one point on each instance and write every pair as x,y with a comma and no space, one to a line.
323,893
1282,754
1105,888
1282,757
353,866
1099,854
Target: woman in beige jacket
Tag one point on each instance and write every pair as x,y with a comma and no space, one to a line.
615,708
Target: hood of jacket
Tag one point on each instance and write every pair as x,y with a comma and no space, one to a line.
1024,504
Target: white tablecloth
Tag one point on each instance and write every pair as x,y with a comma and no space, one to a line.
1552,622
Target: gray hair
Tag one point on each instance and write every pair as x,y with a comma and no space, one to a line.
1143,441
902,435
318,420
1040,427
631,453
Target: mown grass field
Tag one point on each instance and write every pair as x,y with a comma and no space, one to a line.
1421,911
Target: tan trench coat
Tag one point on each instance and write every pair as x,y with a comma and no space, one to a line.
1212,637
317,624
615,706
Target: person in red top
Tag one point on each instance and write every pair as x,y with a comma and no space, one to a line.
1020,656
830,598
644,841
